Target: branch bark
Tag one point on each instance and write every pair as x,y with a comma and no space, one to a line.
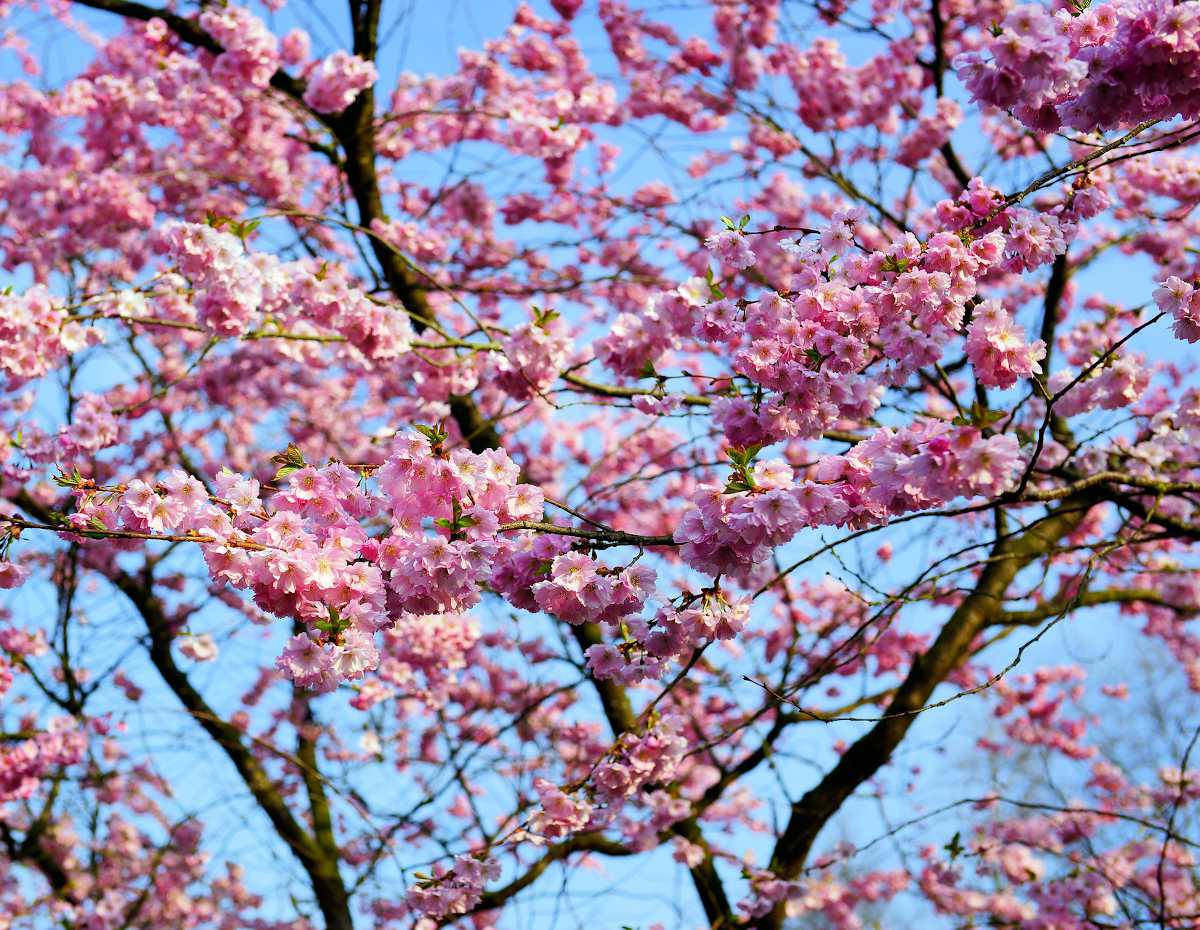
320,864
870,752
618,711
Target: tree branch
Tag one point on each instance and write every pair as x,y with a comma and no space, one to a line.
322,869
871,751
1059,605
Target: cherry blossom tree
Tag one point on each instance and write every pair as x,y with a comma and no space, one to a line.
624,451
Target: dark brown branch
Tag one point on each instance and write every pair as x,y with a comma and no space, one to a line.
1060,605
871,751
619,712
322,869
1055,288
584,842
314,783
961,175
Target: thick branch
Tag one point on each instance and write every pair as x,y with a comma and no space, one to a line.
870,752
961,175
1061,605
619,712
322,869
314,782
1055,288
584,842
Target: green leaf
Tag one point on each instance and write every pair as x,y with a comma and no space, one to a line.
73,480
743,456
239,230
290,456
435,434
954,848
289,460
335,623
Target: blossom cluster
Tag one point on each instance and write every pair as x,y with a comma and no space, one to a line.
468,496
578,589
35,334
636,339
232,285
24,763
1087,380
453,890
810,347
998,349
923,465
729,531
732,247
930,133
1032,709
1113,65
251,51
541,572
533,355
673,633
307,555
422,655
1179,298
838,904
653,756
335,81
